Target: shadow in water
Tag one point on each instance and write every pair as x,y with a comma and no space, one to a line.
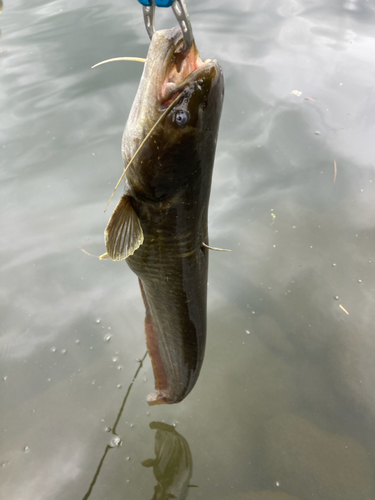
116,440
173,464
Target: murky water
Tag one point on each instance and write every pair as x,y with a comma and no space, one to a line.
284,407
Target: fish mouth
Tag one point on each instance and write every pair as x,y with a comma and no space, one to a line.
166,74
179,69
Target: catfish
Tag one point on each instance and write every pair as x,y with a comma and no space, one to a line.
160,223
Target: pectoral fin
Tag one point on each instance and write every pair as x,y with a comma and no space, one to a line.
123,234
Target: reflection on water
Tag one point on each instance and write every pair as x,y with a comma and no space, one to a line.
284,408
173,464
115,440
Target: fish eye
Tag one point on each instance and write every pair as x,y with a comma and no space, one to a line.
181,118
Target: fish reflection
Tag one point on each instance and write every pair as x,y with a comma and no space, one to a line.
173,464
116,440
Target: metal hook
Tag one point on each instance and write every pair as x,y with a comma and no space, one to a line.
182,16
149,16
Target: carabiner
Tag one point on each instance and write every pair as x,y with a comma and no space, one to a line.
158,3
182,16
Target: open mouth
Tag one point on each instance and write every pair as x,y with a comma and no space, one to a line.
180,72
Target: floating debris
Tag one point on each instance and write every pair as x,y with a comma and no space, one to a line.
334,170
115,442
343,308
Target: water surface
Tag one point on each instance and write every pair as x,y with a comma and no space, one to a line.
284,407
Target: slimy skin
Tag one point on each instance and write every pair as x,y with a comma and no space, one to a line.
160,222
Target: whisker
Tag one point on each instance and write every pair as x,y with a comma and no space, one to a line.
142,144
139,59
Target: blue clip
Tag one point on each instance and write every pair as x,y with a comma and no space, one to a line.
158,3
163,3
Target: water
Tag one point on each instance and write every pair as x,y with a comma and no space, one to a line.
283,412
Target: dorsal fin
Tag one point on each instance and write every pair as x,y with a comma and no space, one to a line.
123,234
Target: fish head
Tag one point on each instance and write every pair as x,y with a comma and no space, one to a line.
184,140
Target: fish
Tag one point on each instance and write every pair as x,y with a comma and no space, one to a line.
172,465
159,226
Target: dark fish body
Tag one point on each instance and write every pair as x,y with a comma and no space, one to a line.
160,223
